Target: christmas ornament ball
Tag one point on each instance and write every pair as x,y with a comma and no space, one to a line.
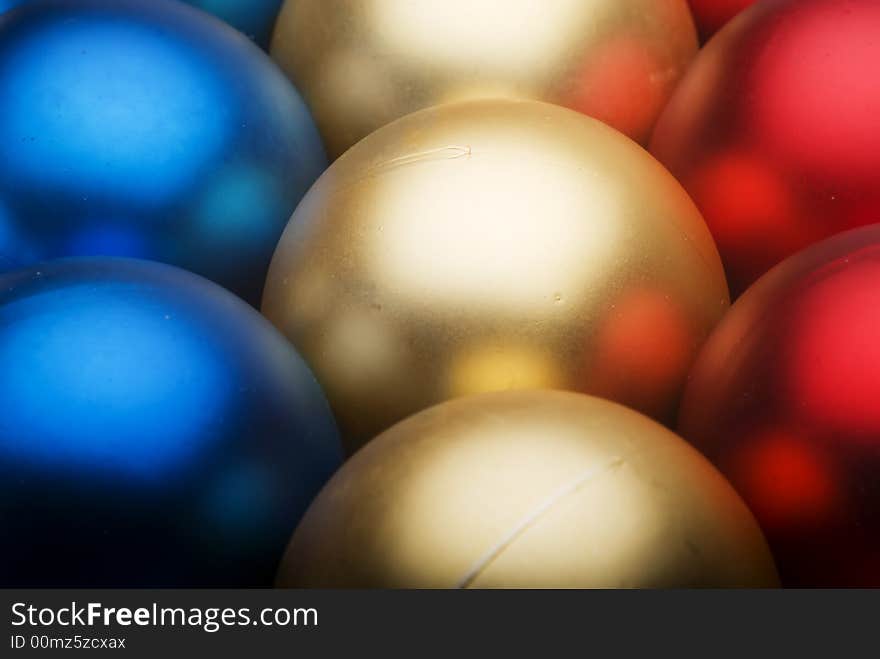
145,128
784,399
156,430
491,245
364,63
533,489
774,130
712,15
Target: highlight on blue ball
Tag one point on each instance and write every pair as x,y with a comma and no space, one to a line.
146,128
155,430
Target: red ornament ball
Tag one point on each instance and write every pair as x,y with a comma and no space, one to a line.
785,399
712,15
775,130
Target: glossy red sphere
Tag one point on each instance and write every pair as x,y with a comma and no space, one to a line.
712,15
785,399
775,130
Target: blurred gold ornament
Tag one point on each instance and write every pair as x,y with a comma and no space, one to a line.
494,245
364,63
528,489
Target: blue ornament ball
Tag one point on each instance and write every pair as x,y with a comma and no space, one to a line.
145,128
155,430
255,18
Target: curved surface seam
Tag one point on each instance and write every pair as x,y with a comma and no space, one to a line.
533,517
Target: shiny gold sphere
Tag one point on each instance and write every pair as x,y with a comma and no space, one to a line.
494,245
527,489
363,63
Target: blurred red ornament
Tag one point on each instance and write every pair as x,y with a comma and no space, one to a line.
775,130
712,15
785,399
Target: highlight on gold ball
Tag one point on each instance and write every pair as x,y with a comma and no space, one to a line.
492,245
529,489
364,63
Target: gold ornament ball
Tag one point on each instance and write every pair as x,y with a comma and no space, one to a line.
494,245
364,63
535,489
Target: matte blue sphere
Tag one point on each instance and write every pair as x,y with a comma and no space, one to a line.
255,18
146,128
155,430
